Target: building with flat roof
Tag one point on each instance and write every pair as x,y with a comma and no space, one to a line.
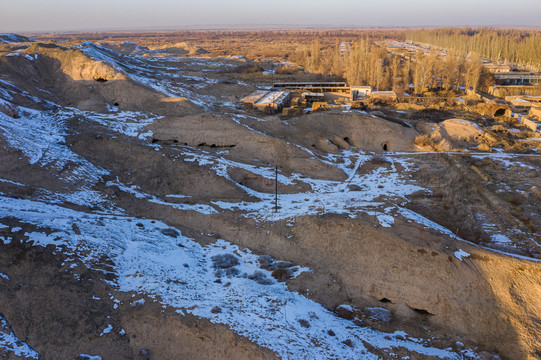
274,100
360,92
265,99
313,86
517,78
254,97
520,105
497,69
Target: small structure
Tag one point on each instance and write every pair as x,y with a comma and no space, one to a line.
360,92
529,123
330,92
311,97
264,100
519,104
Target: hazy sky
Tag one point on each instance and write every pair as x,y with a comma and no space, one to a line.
65,15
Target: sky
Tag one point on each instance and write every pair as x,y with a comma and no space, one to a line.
71,15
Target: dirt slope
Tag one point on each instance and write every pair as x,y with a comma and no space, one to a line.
71,78
208,171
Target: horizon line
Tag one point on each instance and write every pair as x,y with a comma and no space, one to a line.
255,27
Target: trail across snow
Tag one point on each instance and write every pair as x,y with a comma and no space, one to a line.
153,259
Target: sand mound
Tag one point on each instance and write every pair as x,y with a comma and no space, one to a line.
467,294
126,48
323,132
359,130
242,143
451,134
77,65
462,130
13,38
329,131
182,48
75,79
433,138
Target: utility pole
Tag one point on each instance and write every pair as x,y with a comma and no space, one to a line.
276,189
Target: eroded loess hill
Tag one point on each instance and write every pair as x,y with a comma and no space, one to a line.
70,77
138,207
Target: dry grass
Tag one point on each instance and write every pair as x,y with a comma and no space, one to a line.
423,140
254,44
379,159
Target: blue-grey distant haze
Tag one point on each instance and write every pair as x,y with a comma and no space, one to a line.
70,15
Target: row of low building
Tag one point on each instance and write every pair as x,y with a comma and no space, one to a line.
525,104
527,110
305,94
507,82
326,95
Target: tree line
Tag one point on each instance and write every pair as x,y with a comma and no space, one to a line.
366,62
508,45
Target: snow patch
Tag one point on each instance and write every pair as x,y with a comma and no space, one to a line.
385,220
461,254
107,330
379,314
11,344
89,357
500,239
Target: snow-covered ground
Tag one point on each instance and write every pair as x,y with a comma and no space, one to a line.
360,193
9,38
153,259
40,135
12,345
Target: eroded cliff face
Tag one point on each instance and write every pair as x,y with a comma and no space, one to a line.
138,221
424,278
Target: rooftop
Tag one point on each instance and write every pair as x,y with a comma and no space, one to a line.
273,97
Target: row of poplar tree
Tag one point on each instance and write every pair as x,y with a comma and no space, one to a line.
519,47
366,62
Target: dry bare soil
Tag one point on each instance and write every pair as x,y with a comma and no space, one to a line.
138,218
